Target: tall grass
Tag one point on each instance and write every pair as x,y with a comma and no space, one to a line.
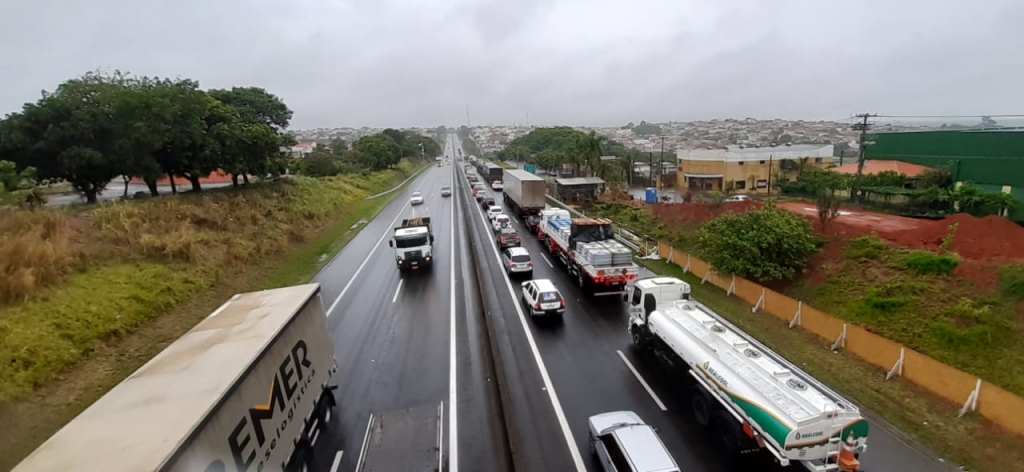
71,278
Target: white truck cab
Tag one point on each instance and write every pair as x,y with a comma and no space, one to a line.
413,243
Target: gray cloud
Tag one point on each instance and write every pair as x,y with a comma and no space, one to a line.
421,62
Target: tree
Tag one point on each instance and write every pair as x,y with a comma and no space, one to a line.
338,147
255,105
763,245
381,150
321,163
589,149
823,185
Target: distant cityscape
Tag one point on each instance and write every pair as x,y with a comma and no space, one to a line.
670,136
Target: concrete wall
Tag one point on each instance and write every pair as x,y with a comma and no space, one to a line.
993,403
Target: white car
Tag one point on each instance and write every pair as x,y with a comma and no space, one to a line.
492,211
497,185
446,191
542,298
500,221
738,198
623,442
417,199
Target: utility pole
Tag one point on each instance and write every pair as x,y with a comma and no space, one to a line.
651,170
661,167
863,127
771,158
467,115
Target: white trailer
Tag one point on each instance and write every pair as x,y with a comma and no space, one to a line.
245,390
524,192
752,398
588,250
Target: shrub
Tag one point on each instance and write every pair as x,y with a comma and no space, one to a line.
866,247
1011,277
766,244
929,263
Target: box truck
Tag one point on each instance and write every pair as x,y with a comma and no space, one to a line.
247,389
524,192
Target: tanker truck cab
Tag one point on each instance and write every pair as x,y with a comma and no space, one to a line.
413,243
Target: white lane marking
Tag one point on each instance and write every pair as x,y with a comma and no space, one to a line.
546,260
337,461
453,428
515,219
643,382
397,290
549,388
401,212
366,437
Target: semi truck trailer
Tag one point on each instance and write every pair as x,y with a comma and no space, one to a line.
414,243
588,250
246,389
751,398
524,192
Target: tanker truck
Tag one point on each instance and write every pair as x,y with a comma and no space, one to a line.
749,397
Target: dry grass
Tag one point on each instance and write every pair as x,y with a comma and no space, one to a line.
72,278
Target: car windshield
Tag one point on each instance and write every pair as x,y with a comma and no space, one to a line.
446,188
417,194
520,258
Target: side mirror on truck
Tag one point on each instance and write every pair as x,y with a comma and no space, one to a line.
431,239
391,242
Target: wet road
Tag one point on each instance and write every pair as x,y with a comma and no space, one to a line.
521,390
410,340
590,361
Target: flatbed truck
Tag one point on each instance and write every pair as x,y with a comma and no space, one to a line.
588,250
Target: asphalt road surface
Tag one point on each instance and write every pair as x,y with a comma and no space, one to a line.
591,363
421,340
410,340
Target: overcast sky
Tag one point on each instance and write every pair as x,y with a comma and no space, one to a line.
576,62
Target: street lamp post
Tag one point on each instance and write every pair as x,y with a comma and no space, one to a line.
421,151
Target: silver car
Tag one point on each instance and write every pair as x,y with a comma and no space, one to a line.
624,443
517,261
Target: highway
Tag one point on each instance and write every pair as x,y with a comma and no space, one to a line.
409,340
593,369
513,394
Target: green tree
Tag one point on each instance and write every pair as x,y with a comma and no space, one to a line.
338,147
321,163
255,105
589,149
824,184
381,150
764,245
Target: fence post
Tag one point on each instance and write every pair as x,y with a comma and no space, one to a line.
760,302
972,400
799,311
707,275
686,270
898,368
732,287
671,253
841,341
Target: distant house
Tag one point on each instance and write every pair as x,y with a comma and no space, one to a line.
300,150
575,189
744,169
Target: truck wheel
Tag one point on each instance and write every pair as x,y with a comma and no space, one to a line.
701,407
300,460
326,413
638,338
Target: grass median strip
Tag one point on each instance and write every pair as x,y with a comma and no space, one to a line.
969,440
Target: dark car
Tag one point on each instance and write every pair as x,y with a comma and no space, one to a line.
508,237
487,202
532,223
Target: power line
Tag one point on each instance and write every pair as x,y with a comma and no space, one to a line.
949,116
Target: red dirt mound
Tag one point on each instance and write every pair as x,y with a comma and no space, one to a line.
683,213
990,238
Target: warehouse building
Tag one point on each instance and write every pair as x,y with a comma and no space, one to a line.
992,160
751,170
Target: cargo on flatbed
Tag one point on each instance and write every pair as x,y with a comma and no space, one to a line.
245,389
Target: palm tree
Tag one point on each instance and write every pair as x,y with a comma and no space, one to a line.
588,147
